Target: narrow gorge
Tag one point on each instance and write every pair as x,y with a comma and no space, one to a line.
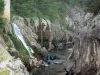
49,37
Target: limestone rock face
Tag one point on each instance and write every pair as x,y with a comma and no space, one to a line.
58,33
50,32
85,56
26,28
9,65
28,31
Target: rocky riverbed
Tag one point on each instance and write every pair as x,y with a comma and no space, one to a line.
54,69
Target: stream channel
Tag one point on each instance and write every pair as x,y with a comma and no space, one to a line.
54,69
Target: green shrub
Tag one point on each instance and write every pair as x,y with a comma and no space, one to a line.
94,6
27,41
1,7
3,22
50,9
32,21
20,47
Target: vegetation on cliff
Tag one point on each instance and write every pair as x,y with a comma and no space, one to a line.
56,11
20,47
51,9
92,6
1,7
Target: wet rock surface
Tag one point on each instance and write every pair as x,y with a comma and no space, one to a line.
53,68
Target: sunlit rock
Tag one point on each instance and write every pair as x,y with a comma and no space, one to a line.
9,65
84,57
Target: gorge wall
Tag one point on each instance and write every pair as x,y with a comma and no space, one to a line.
39,36
84,59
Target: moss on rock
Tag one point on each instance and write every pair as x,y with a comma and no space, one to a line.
4,72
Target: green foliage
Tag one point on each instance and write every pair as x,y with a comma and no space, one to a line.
50,9
1,7
45,43
3,22
6,38
27,41
93,6
32,21
87,5
20,47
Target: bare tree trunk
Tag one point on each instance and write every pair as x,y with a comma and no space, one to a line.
7,10
6,16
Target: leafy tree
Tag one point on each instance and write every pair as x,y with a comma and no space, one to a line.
89,5
51,9
1,7
93,6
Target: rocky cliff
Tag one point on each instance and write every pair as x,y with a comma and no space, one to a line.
10,65
84,59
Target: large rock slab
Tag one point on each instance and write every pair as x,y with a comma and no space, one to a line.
9,65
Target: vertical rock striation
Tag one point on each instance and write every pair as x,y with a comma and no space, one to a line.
85,57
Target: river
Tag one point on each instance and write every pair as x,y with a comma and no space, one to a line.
54,69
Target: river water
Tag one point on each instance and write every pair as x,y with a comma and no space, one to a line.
54,69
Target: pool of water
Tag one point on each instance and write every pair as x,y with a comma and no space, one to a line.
54,69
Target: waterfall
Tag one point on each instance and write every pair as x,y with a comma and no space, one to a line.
20,37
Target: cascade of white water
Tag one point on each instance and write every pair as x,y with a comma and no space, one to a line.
20,37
